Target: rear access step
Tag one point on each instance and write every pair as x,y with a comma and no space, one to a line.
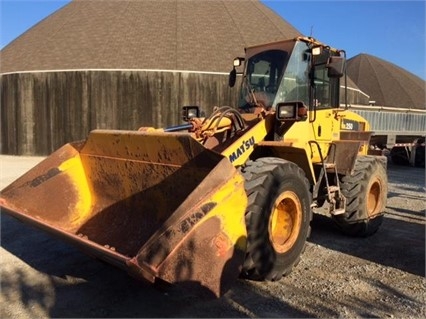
159,205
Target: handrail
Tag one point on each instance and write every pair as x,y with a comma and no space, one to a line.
384,108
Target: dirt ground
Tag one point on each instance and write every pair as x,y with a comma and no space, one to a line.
382,276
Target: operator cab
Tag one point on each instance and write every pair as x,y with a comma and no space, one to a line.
300,70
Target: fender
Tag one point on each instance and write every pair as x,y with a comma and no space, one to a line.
288,151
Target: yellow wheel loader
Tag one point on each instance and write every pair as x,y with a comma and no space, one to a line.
225,195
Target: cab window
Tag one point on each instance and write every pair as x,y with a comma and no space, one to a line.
325,89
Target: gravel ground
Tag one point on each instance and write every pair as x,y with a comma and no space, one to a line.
382,276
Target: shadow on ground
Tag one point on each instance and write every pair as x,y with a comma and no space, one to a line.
75,285
400,240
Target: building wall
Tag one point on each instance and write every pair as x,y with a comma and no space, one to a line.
41,111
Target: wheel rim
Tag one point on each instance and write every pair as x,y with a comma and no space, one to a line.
285,221
374,201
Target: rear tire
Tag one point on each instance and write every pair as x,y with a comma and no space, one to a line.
366,195
277,219
419,160
399,156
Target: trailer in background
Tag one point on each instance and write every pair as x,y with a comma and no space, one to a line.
398,133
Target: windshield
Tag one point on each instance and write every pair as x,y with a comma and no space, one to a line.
295,83
263,75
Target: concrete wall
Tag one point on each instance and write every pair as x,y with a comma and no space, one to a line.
41,111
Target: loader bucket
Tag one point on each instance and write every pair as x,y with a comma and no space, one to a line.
158,205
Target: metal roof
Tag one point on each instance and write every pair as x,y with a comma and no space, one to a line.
386,83
141,34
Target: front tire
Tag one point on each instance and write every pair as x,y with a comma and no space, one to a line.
366,195
277,219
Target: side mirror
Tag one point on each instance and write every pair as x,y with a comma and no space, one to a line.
336,66
232,77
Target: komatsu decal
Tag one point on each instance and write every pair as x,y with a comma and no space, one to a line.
245,146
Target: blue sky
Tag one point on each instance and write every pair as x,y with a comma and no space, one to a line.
391,30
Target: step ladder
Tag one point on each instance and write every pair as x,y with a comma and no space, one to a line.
335,199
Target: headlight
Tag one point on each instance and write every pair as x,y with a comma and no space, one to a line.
291,111
188,112
285,111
